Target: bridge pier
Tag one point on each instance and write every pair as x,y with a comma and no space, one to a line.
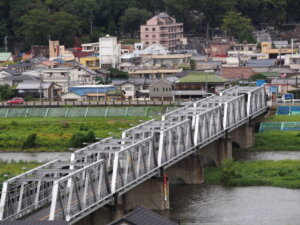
244,136
218,151
152,194
103,215
190,170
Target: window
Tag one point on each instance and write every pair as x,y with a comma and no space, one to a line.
153,36
128,88
147,42
146,29
63,74
163,89
153,29
154,42
147,35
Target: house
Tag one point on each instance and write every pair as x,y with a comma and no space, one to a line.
90,47
75,74
262,63
46,65
42,90
134,87
168,61
293,61
142,216
58,52
162,29
273,53
91,62
15,80
21,67
198,84
161,89
8,73
236,73
93,92
154,73
219,47
109,52
6,57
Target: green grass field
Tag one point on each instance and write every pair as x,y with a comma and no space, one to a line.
8,170
285,173
54,134
283,118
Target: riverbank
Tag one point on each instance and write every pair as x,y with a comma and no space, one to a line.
54,134
11,169
283,173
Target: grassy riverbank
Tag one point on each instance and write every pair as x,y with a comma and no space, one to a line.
277,141
8,170
54,134
284,173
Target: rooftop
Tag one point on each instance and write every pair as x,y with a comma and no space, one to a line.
142,216
201,77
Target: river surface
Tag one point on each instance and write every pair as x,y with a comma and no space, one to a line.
217,205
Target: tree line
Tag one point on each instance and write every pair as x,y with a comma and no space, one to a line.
28,22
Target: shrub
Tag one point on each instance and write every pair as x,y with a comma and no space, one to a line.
83,127
77,140
13,123
90,137
30,141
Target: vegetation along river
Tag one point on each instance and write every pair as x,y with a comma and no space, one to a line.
219,205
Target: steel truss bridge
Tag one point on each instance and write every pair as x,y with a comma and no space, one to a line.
96,174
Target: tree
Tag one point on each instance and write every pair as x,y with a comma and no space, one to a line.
115,73
111,28
64,27
238,26
132,19
7,92
258,76
35,27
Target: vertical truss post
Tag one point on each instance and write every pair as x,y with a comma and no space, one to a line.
160,149
115,172
55,194
3,199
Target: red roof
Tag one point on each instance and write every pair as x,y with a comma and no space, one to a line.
236,73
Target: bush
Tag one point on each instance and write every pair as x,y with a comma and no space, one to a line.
90,137
30,141
77,140
83,128
14,123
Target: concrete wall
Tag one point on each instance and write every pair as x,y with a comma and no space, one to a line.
243,136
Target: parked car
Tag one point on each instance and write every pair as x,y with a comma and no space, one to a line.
15,100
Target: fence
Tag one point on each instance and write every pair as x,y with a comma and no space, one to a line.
84,112
288,110
279,126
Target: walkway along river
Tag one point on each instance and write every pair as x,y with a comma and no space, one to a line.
217,205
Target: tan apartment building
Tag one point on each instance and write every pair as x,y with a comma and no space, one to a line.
162,29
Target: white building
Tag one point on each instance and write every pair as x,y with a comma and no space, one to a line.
90,47
109,51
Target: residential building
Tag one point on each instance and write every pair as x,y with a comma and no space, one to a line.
161,89
134,87
42,90
197,84
58,52
168,61
142,216
6,57
162,29
90,47
21,67
219,47
91,62
8,73
93,92
293,61
153,73
273,53
236,73
46,65
246,52
69,76
15,80
109,52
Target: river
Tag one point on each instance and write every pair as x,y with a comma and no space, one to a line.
217,205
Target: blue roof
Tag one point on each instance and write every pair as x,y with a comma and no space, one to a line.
82,91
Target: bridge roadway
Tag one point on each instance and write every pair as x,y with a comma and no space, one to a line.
96,174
